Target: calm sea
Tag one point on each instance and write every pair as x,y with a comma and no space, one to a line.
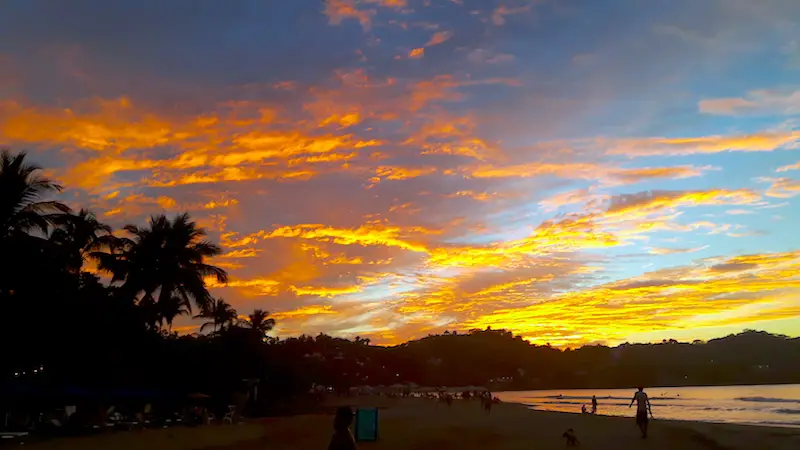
774,405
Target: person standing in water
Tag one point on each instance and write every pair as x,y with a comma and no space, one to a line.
642,408
594,405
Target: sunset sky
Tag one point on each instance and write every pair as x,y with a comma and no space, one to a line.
575,171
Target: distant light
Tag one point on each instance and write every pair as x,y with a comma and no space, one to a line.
16,374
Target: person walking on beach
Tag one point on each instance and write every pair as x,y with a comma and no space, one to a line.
642,408
594,405
342,438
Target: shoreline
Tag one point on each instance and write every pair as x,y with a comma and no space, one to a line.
677,421
422,424
761,406
649,387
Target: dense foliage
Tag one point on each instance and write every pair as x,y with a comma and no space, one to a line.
61,325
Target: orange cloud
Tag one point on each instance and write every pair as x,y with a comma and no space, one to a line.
567,170
479,196
569,234
304,312
782,187
651,201
763,102
325,292
570,198
400,173
786,168
259,286
675,251
588,171
438,38
97,124
757,142
636,175
416,53
340,10
499,14
366,235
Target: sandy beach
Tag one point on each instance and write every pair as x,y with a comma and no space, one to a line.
427,425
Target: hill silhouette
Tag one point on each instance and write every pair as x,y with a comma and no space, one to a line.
498,359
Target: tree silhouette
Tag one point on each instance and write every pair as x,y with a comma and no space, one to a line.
219,313
164,260
171,308
23,188
80,236
260,322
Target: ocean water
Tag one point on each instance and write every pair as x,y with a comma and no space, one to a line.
772,405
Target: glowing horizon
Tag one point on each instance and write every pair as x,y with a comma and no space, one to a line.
392,168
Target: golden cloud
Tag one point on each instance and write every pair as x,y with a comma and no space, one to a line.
304,312
660,300
782,187
416,53
366,235
757,142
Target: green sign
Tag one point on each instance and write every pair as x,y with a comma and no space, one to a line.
367,424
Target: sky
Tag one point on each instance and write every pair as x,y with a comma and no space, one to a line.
575,171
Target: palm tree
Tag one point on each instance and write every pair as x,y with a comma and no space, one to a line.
82,235
260,323
164,260
171,309
22,189
220,313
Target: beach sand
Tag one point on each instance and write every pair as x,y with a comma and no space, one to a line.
412,424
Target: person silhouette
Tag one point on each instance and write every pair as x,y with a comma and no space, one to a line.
642,408
342,438
571,438
594,405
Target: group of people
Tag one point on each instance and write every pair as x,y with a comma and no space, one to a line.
642,409
343,439
594,406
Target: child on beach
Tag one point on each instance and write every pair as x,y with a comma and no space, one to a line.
572,440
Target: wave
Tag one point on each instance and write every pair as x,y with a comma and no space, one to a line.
583,403
787,411
579,397
780,424
767,400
